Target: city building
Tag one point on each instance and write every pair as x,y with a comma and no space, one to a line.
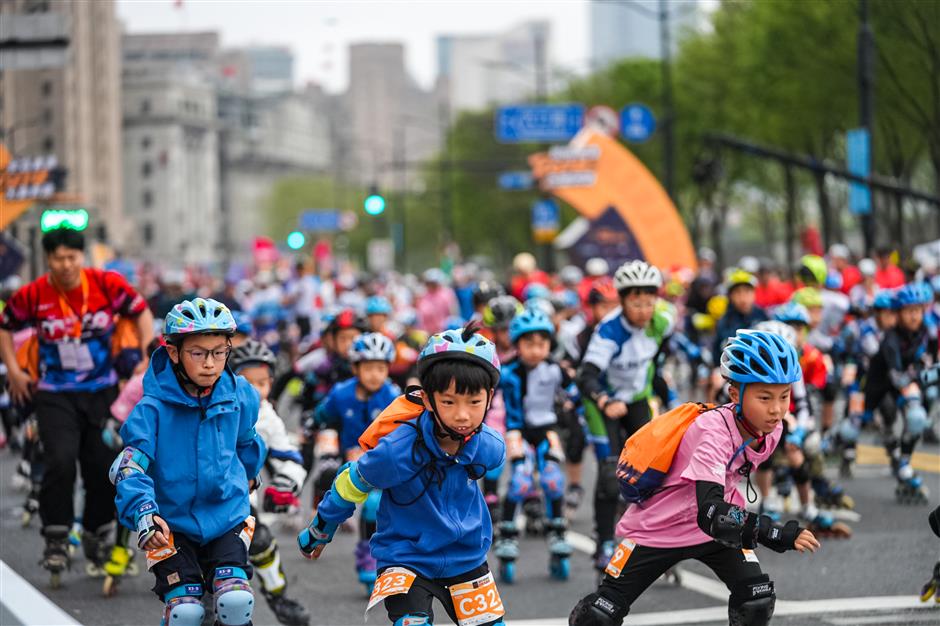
478,71
262,70
622,30
65,101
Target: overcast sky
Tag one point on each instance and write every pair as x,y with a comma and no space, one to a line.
319,32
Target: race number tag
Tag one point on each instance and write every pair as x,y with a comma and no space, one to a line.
161,554
248,532
477,601
750,556
393,581
849,372
620,557
856,403
68,356
327,442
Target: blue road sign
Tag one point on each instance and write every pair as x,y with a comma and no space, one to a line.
546,215
515,181
637,122
319,220
858,149
538,122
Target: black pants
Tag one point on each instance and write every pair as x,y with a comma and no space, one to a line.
70,430
194,564
606,496
420,597
646,564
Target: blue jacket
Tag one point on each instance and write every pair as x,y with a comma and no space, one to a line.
447,530
202,453
530,393
342,410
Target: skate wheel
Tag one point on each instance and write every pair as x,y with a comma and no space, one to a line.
507,572
55,580
561,569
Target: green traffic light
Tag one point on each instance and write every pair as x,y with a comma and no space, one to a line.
51,219
374,204
296,240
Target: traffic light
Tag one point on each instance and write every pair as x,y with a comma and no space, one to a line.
375,202
51,219
296,240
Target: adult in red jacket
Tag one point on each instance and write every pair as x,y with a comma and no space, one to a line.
526,272
888,275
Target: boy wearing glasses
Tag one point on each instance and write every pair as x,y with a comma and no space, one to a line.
191,457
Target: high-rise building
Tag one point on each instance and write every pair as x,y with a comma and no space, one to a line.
68,104
392,120
478,71
622,30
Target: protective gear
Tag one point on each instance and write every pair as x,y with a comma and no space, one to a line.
730,525
281,495
130,460
839,251
146,527
198,316
849,430
434,275
932,588
530,321
506,546
452,344
602,290
885,300
570,275
234,601
814,267
183,606
365,564
637,274
413,619
738,277
797,436
378,305
916,419
500,310
597,610
521,483
749,264
760,357
243,323
867,268
914,294
752,602
524,263
778,537
833,281
251,353
566,299
370,508
314,537
344,320
542,305
266,558
810,297
608,487
535,290
552,480
779,328
597,266
372,347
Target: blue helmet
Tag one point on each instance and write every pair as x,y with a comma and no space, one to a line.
530,321
378,305
198,316
754,356
243,323
914,294
462,344
535,290
792,313
885,299
372,347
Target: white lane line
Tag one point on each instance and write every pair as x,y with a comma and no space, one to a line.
848,605
27,604
907,618
690,580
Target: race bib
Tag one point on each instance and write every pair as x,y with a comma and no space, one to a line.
393,581
327,442
849,372
619,560
248,532
161,554
477,601
750,556
856,403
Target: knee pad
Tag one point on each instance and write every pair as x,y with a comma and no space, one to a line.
520,483
370,507
413,619
848,431
915,419
752,602
608,487
801,474
184,606
234,600
552,480
261,542
266,558
597,610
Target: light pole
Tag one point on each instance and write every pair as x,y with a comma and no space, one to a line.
866,107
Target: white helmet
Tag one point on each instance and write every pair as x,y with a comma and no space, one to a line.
779,328
867,267
524,263
570,275
372,347
637,274
597,266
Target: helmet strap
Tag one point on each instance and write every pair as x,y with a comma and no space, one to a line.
739,414
443,430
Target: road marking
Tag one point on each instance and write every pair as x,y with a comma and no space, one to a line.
875,455
26,604
907,618
783,608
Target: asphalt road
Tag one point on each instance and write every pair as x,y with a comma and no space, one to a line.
869,579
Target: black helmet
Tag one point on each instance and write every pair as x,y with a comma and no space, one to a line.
485,291
251,353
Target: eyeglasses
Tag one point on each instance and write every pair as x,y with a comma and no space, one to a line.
219,354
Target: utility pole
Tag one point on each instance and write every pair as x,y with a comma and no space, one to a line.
665,49
867,110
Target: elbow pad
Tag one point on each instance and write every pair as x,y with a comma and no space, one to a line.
349,486
730,525
128,462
